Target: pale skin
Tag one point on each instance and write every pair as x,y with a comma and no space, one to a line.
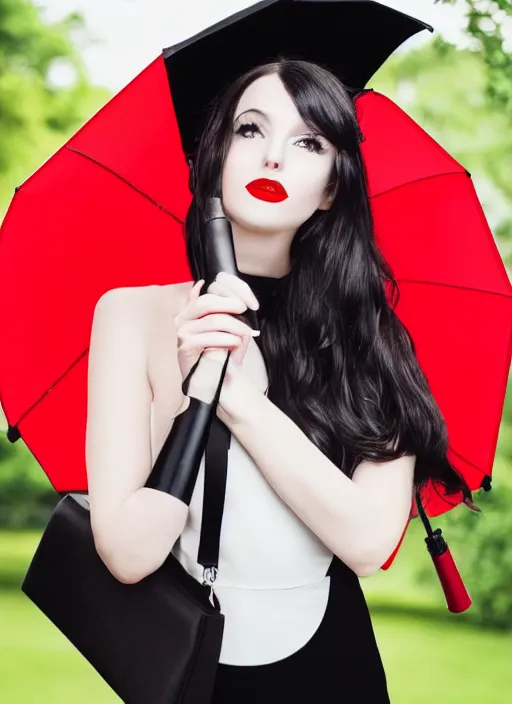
144,341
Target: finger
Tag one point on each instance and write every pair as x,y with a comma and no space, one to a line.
237,286
238,354
219,289
193,295
217,322
195,291
211,303
209,339
222,290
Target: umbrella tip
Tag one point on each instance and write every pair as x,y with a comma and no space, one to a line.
13,434
472,506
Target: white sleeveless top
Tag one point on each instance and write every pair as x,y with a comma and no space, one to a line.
271,583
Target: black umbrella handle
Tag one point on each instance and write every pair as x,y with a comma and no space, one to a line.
177,465
220,252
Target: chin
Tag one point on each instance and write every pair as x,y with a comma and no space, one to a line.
261,217
268,226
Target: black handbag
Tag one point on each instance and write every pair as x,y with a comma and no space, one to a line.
156,641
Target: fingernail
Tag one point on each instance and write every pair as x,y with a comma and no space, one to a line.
255,305
255,333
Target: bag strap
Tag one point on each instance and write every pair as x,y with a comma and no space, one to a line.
215,479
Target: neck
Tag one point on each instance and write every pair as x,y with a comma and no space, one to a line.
267,289
262,253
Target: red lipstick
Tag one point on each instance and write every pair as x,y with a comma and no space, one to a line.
265,189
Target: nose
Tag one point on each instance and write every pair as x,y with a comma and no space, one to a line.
274,149
271,164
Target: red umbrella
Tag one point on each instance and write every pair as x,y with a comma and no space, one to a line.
107,211
455,294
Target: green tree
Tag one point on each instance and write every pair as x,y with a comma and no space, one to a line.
26,495
482,548
484,25
445,91
36,116
485,20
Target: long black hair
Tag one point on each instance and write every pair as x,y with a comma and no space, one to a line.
340,363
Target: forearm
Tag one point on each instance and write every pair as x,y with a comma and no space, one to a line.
139,536
349,521
136,538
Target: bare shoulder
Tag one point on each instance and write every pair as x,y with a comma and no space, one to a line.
171,299
132,316
134,327
131,298
143,304
162,349
120,312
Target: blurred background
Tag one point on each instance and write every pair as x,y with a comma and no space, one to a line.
60,61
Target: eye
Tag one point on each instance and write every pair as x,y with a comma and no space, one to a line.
248,129
313,144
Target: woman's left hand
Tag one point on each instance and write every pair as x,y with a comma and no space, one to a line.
238,391
237,396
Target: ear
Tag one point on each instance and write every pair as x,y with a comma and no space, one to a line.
326,202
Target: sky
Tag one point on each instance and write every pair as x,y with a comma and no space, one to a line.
124,36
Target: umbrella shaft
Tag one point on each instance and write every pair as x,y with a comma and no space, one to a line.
177,465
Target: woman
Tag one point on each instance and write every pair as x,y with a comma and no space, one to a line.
333,424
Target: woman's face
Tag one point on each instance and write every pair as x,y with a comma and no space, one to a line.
276,171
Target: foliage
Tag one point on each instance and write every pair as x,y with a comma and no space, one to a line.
482,548
484,18
444,90
36,116
26,495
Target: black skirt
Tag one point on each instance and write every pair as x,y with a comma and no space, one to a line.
340,663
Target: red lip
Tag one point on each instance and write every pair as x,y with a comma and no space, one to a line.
265,189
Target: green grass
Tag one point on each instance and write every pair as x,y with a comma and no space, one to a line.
436,659
432,662
38,665
16,551
426,661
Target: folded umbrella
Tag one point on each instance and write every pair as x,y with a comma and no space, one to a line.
107,211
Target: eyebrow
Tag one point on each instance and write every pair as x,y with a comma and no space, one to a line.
260,112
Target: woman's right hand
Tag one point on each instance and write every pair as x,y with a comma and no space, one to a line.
207,321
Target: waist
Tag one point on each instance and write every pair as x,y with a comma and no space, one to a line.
263,543
266,625
254,571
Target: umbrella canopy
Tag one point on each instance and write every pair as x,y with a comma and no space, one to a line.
98,216
455,294
107,211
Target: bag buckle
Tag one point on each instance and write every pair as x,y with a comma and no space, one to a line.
209,576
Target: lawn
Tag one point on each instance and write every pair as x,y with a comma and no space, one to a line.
428,659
